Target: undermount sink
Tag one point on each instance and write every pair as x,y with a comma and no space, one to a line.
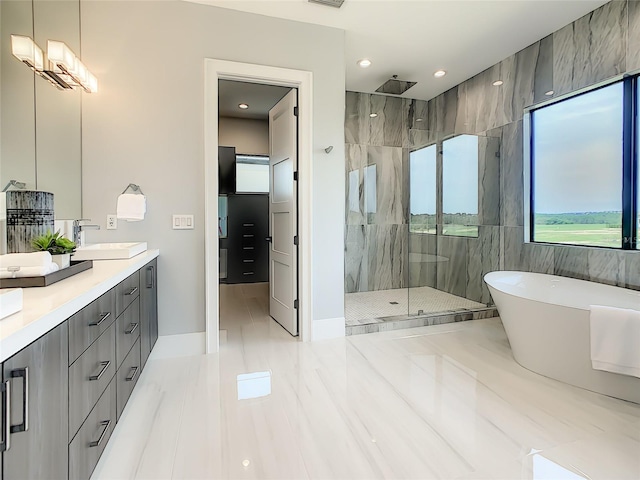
10,301
109,251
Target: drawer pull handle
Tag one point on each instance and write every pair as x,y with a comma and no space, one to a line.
248,236
105,424
248,273
24,374
132,328
132,375
103,317
248,261
104,366
132,291
247,248
247,224
5,444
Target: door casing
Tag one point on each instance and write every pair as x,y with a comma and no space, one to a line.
215,70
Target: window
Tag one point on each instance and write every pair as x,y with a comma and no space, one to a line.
460,186
252,174
370,189
581,163
422,187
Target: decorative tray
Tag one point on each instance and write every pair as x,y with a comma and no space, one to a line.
46,280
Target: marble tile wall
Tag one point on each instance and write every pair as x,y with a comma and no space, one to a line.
598,46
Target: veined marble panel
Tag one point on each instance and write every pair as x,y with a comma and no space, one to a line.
422,138
511,168
632,268
452,273
483,102
483,257
607,266
591,49
519,73
419,115
392,192
355,161
513,249
572,262
489,181
633,47
356,278
391,127
356,122
540,258
443,112
423,260
387,250
543,82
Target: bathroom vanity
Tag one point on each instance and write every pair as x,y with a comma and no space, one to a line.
70,361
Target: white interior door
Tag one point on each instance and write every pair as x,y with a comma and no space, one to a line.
283,215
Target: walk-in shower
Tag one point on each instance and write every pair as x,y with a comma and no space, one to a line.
422,225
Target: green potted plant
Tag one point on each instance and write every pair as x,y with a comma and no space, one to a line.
57,245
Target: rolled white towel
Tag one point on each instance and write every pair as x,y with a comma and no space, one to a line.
35,259
29,271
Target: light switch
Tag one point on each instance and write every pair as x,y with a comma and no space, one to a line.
183,222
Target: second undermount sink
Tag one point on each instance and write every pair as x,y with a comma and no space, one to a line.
109,251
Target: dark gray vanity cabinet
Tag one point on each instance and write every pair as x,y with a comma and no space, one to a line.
63,394
35,438
148,309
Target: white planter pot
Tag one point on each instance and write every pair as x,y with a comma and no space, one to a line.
63,261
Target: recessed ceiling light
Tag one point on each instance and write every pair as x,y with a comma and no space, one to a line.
549,93
497,83
439,73
246,463
364,63
373,115
243,106
418,120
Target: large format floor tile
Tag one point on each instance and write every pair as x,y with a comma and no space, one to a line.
446,402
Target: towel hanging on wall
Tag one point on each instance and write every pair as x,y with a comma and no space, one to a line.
132,207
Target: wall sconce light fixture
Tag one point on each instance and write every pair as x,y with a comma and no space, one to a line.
62,68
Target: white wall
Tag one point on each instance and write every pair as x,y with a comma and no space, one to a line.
249,136
145,125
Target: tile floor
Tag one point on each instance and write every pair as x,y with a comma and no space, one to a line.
362,307
445,402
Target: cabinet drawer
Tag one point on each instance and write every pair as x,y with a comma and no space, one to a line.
126,292
89,443
89,376
90,322
127,330
127,376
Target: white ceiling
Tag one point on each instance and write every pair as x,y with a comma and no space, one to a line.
260,98
414,38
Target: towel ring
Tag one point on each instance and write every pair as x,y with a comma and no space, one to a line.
134,187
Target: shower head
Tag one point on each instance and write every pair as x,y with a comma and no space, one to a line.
394,86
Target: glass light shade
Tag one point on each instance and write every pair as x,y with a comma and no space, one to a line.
92,82
81,73
25,50
61,55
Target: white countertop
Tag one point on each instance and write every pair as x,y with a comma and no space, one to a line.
44,308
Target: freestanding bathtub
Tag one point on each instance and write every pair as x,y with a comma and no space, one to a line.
547,322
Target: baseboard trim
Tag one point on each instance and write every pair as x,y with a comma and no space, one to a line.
328,328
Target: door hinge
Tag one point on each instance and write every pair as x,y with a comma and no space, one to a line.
295,240
295,176
295,304
295,111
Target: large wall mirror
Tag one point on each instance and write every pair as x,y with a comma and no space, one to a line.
40,129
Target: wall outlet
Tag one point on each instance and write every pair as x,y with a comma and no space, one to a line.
112,222
182,222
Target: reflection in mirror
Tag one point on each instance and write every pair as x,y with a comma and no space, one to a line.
17,112
58,129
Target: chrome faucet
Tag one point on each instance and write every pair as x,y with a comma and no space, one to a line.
78,230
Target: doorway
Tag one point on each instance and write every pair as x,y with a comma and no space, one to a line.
257,160
302,81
